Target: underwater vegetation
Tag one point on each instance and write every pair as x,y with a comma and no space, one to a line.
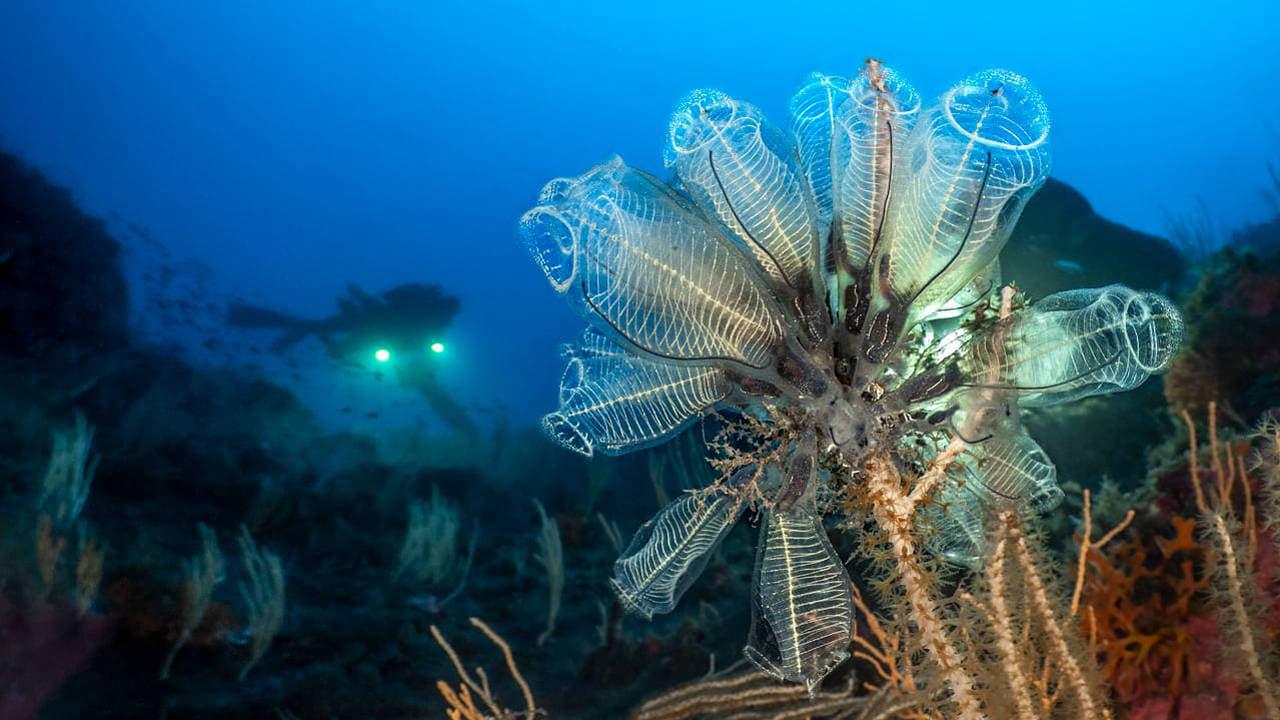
1232,351
1183,612
835,294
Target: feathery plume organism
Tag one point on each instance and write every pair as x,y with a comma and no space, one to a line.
59,498
263,592
833,292
201,575
551,556
69,475
429,552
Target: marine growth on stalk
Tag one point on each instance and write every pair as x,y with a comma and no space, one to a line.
835,288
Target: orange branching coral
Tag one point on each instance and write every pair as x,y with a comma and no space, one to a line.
1138,600
881,649
1182,617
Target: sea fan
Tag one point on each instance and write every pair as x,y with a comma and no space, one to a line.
836,290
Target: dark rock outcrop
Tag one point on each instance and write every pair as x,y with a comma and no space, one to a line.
1060,243
60,276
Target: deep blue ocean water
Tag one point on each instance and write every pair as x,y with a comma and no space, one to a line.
295,148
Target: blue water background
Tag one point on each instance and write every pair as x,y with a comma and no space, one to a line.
295,148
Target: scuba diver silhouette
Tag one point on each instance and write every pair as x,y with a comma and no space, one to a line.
406,324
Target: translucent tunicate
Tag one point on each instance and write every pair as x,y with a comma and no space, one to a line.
743,171
1008,471
615,403
849,132
669,552
803,616
650,270
871,126
1075,344
966,171
813,123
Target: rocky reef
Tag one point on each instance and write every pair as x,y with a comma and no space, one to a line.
1060,242
61,286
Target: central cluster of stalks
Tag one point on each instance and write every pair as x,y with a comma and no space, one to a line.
1004,646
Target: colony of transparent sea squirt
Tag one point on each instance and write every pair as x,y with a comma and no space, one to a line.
833,293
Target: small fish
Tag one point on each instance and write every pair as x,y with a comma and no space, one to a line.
1068,266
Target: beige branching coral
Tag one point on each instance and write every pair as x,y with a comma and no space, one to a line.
550,555
1039,649
758,696
263,591
429,554
920,611
1088,544
201,574
1231,532
754,695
